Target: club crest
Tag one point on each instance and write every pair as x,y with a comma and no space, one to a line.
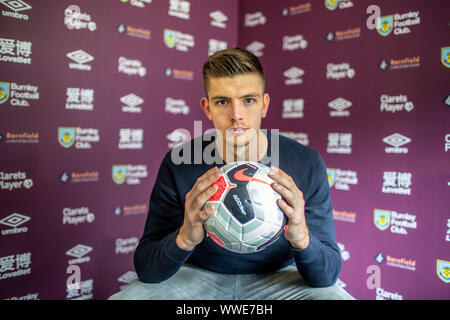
443,270
4,91
385,25
382,219
119,173
66,136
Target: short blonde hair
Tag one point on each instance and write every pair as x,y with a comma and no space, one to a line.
229,63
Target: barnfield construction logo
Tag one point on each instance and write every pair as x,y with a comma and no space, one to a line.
346,34
298,8
396,262
20,137
136,32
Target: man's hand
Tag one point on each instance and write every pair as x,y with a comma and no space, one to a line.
192,231
293,205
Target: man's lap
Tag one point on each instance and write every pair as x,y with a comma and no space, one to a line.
192,283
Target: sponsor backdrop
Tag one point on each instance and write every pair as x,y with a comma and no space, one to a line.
94,93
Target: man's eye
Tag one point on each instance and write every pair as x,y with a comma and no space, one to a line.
221,102
249,100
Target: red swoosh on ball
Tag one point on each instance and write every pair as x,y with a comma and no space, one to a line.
240,176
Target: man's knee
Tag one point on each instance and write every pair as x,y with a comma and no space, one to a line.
334,292
188,283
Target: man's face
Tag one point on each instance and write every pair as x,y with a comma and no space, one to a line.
236,106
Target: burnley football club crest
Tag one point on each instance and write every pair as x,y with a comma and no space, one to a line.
331,4
445,57
331,176
385,25
66,136
170,38
4,91
382,219
443,270
119,173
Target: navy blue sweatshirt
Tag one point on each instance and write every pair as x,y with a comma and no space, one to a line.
157,256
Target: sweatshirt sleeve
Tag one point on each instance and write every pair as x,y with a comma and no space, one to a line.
320,263
157,256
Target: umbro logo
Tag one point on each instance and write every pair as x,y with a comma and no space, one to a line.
293,75
396,140
14,220
81,57
339,107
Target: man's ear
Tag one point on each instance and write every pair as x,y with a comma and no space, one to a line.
266,102
205,106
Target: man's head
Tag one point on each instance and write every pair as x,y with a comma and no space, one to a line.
235,96
229,63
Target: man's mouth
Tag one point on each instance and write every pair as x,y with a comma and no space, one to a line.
237,131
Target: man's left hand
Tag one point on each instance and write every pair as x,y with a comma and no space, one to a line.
293,205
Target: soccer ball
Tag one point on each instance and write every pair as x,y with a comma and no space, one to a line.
246,217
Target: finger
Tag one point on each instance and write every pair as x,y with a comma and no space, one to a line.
204,182
290,213
199,201
212,171
285,193
207,212
208,173
281,177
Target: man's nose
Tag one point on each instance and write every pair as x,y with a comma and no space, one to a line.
237,110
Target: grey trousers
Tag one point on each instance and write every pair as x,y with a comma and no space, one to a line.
193,283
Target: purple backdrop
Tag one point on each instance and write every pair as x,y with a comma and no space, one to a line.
94,93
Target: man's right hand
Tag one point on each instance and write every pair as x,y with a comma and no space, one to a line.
192,231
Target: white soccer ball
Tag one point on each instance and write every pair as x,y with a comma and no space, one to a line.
246,217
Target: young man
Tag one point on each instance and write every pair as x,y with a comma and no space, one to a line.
176,260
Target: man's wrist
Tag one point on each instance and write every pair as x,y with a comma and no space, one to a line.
183,244
302,244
